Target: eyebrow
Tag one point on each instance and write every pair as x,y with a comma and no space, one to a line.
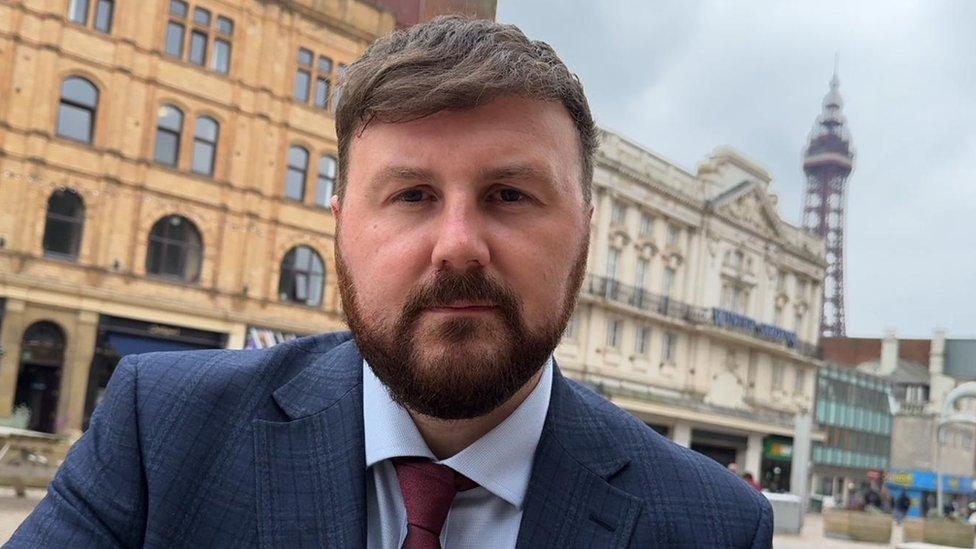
401,174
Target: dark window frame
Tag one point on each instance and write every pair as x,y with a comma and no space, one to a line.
311,274
78,105
294,169
176,134
325,178
319,74
203,141
162,240
74,222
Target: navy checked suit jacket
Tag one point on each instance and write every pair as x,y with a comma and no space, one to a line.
264,448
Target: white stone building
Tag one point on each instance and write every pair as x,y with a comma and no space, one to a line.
701,307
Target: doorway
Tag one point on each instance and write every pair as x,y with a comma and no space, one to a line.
39,376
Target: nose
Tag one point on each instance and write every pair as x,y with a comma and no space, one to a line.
461,241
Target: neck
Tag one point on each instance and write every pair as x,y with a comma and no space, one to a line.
447,437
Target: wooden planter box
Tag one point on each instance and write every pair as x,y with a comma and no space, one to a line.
857,526
939,532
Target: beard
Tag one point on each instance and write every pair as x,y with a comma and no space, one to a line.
463,366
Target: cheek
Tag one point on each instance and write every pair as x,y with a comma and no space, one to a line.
383,267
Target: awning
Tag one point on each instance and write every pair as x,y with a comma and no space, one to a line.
128,344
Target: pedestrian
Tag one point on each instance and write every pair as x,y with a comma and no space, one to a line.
902,505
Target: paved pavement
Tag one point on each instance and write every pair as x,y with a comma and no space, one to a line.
13,510
812,537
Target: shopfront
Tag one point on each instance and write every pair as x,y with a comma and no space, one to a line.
777,458
118,337
921,489
262,338
722,447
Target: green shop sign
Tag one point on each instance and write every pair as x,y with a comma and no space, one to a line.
777,450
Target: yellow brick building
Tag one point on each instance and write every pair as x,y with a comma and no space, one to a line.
165,168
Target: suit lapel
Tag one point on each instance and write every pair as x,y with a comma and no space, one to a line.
569,502
311,483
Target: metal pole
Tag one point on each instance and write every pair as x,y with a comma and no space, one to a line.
938,466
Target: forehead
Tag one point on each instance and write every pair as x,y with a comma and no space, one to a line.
504,132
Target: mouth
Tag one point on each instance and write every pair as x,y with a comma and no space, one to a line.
463,307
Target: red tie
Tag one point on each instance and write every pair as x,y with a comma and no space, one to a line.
428,490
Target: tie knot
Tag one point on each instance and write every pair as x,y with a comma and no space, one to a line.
428,491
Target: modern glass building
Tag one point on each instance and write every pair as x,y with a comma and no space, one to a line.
853,410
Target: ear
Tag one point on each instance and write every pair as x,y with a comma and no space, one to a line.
337,207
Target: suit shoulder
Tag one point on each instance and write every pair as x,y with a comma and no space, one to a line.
656,460
217,372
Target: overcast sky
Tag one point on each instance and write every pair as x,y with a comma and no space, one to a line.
683,77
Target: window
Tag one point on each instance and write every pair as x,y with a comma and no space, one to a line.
221,56
614,327
201,17
667,349
801,290
781,282
64,224
340,74
323,83
175,29
302,277
735,298
798,327
642,267
78,11
777,316
303,76
800,381
326,186
778,376
617,213
76,114
169,131
205,145
175,249
613,260
198,48
572,328
646,225
667,283
643,340
296,173
673,234
103,15
203,32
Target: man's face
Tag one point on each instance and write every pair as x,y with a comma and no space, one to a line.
460,247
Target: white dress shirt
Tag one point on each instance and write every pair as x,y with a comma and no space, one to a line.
500,462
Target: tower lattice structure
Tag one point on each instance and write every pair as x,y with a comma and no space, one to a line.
827,162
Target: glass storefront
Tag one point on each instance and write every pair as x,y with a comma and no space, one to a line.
119,337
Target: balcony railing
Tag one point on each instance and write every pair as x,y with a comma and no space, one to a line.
613,290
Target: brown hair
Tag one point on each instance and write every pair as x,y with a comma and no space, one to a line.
455,63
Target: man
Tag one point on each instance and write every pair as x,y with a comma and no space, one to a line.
463,209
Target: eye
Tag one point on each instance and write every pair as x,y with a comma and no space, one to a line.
411,196
512,196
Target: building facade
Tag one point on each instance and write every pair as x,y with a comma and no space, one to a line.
921,372
854,412
700,312
165,172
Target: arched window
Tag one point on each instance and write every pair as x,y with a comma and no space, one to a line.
327,175
302,277
169,130
296,174
175,249
39,376
64,224
205,145
76,114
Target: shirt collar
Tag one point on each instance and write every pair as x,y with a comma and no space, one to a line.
500,461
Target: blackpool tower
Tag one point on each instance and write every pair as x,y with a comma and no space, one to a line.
827,163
